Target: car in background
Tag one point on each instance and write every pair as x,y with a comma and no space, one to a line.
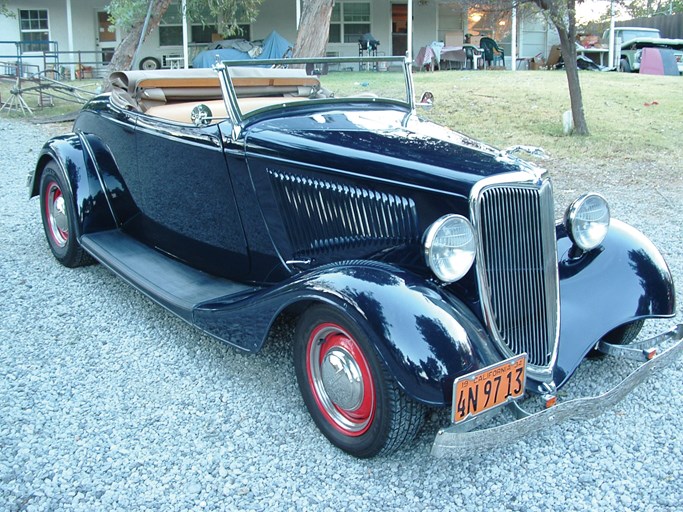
425,269
634,39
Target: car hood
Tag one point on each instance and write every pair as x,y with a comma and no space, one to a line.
388,144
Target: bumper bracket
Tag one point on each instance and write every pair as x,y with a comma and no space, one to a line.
455,442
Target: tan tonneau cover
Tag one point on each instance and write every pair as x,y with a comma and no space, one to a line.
134,81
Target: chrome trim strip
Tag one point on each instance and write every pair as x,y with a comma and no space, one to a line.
537,179
454,442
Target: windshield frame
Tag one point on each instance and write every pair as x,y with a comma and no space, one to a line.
230,95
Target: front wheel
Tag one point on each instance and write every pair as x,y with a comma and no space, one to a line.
59,218
622,335
624,65
348,392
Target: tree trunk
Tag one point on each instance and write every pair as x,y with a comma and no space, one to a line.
562,13
314,28
568,47
123,55
575,97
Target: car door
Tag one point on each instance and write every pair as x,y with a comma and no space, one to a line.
183,189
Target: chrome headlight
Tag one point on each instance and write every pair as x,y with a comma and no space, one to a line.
449,246
587,221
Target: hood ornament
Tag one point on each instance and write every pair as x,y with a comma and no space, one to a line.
531,150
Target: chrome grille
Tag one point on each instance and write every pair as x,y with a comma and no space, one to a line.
321,216
517,268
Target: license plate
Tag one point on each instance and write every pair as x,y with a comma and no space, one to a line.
488,388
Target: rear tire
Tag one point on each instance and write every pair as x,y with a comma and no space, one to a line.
59,218
349,394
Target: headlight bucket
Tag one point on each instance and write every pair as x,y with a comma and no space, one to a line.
587,221
449,247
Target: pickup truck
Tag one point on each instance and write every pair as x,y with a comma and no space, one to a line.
630,42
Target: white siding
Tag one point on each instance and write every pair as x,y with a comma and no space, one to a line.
533,39
430,22
278,15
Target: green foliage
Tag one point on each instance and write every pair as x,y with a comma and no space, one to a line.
4,11
126,13
227,14
647,8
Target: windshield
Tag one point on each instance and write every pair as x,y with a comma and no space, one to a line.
627,35
255,86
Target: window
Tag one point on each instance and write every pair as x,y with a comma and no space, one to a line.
34,30
350,20
171,29
171,26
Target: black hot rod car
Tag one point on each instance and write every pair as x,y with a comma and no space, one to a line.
426,269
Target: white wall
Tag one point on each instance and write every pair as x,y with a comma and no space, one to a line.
424,25
533,37
84,25
279,15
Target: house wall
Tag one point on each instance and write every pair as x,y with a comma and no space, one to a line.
278,15
536,37
83,20
431,22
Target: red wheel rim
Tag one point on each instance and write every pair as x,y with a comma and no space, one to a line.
55,215
339,377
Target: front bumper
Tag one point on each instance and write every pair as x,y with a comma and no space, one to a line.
456,442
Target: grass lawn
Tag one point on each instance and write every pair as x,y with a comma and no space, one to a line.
57,99
525,107
505,108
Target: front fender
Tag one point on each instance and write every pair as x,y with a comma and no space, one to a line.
624,280
71,154
425,336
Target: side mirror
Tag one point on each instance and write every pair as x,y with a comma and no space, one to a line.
427,100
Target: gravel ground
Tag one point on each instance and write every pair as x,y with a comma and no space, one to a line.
110,403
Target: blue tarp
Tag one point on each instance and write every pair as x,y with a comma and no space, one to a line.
274,47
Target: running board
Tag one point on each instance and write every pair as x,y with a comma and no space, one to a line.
173,284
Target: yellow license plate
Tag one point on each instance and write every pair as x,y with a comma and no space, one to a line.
489,387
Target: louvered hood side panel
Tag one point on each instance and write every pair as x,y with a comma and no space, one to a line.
322,216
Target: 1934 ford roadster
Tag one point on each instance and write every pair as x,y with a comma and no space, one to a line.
426,269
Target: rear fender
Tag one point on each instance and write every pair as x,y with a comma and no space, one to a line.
74,159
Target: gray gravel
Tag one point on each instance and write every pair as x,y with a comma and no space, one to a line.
110,403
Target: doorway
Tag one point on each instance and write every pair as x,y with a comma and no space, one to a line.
399,29
107,40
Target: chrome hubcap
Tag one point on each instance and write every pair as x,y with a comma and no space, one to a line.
61,221
342,379
58,222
